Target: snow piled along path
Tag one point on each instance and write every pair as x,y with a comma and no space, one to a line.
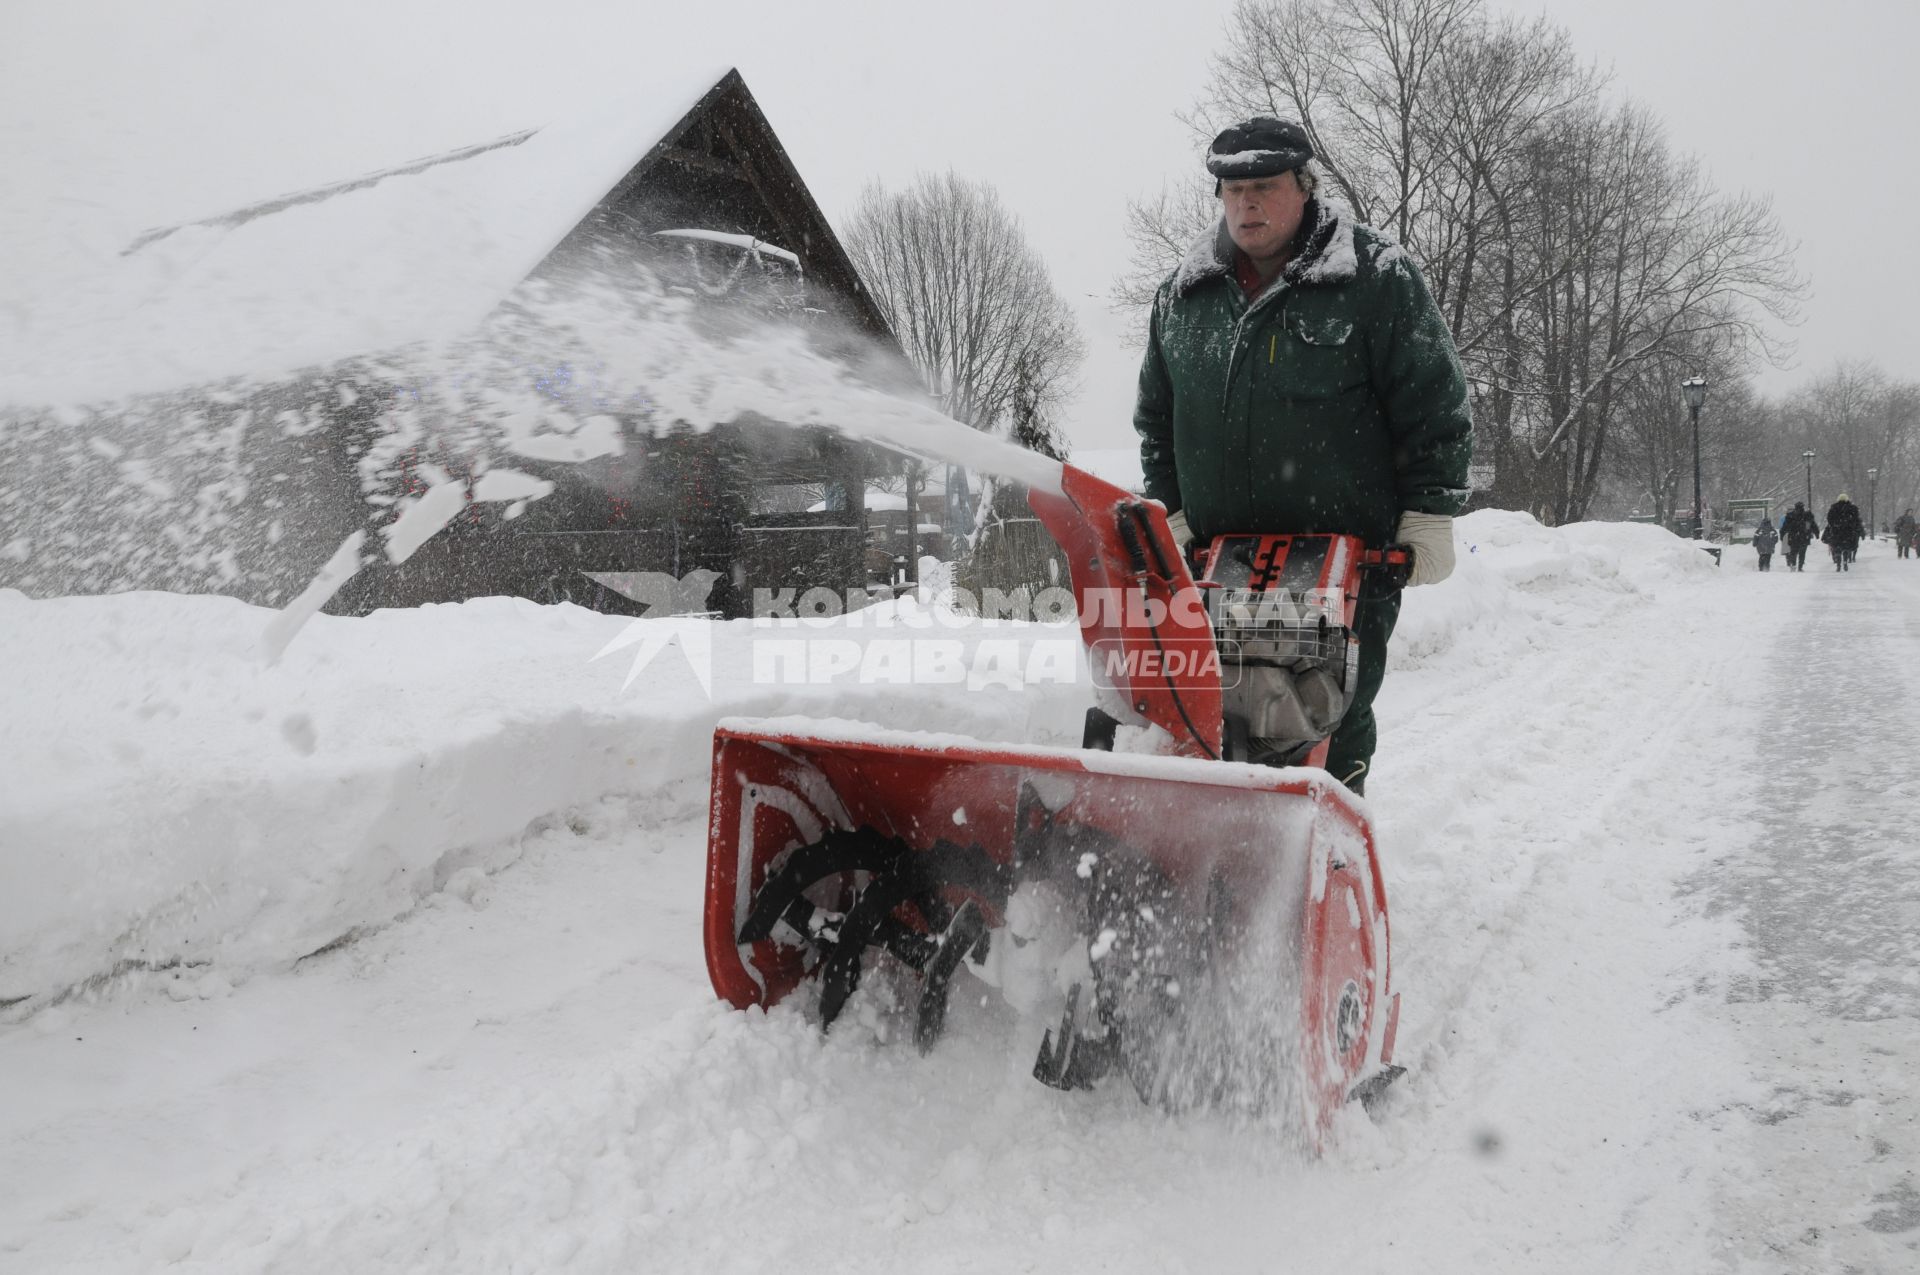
172,797
515,1062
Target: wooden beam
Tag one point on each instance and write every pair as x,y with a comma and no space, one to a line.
796,237
705,163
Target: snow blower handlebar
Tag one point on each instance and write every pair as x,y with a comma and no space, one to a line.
1141,611
1141,614
1136,529
1387,570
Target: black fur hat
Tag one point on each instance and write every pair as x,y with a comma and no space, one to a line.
1260,147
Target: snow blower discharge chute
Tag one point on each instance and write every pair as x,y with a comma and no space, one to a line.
1201,902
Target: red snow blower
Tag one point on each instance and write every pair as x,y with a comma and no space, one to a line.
1214,930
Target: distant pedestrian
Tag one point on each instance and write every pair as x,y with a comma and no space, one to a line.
1764,538
1905,530
1842,536
1799,530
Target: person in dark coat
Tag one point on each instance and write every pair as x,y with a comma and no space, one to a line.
1842,536
1299,378
1764,538
1798,530
1904,533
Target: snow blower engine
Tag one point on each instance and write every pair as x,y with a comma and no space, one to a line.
1186,898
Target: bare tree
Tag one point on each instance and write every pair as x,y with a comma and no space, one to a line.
1899,429
968,298
1742,452
1862,425
1574,256
1854,417
1031,421
1499,87
1646,260
1160,229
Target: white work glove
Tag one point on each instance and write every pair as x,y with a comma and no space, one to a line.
1430,536
1177,524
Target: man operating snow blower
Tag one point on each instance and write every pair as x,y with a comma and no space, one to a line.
1299,379
1214,932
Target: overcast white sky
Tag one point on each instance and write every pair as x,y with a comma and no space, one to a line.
116,116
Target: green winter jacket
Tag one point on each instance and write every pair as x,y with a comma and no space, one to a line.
1332,404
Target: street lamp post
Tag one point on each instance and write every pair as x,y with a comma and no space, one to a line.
1873,483
1808,457
1696,390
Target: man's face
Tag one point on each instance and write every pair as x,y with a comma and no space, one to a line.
1263,213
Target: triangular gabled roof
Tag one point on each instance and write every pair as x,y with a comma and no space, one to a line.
421,251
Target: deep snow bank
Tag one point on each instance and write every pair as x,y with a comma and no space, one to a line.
166,796
1511,569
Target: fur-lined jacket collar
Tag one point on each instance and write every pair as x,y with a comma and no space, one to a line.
1326,254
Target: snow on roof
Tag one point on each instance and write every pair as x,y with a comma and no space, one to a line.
422,251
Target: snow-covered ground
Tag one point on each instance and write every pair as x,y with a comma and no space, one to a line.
387,956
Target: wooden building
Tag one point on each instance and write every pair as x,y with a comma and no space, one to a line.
254,382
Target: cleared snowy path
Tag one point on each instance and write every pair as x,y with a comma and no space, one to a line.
1829,896
528,1072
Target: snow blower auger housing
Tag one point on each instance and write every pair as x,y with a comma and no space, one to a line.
1147,886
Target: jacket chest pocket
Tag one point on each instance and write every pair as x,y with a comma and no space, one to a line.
1309,357
1193,346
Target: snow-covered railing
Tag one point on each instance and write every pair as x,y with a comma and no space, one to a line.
746,243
